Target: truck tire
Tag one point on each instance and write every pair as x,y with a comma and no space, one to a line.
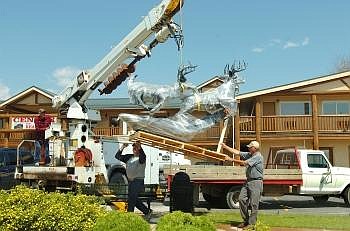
118,178
346,196
119,185
215,201
321,199
232,197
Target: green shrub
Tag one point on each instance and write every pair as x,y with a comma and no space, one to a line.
179,221
30,209
121,221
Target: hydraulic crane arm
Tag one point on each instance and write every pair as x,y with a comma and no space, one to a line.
157,22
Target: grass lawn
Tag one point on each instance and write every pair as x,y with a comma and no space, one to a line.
337,222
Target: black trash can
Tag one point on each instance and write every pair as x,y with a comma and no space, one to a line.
7,168
181,193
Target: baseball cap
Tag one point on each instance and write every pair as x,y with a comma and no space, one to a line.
254,144
41,110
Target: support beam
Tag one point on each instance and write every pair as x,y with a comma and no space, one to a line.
258,119
236,142
315,122
222,136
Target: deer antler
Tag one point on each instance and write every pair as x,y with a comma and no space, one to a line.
184,70
230,71
241,66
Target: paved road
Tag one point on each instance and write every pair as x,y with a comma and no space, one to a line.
303,204
281,205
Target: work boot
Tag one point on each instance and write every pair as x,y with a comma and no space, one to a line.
242,225
148,215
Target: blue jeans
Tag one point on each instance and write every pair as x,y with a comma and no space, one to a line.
135,187
37,155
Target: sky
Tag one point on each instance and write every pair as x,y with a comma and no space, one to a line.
46,43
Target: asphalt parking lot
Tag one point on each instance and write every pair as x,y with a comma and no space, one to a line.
285,204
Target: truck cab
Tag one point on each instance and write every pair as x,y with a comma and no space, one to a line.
320,179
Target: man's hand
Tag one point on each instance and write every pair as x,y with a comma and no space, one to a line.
227,158
224,146
124,145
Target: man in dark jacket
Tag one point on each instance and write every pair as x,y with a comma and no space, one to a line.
135,171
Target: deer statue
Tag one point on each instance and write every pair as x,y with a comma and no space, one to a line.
220,97
183,125
147,95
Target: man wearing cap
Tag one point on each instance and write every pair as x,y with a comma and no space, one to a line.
42,122
252,189
135,171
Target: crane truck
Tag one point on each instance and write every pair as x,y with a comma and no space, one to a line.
77,156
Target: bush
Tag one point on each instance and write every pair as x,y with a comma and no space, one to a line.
30,209
179,221
121,221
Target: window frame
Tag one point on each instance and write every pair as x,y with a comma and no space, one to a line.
336,106
294,102
317,165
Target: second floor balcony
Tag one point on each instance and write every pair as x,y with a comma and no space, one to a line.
296,124
269,126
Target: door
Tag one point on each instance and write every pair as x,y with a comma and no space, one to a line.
269,109
317,174
269,116
152,165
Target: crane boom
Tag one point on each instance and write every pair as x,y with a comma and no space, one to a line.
157,22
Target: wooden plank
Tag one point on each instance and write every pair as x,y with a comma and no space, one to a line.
170,144
212,172
222,136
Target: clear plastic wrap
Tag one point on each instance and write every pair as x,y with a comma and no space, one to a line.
212,100
182,126
152,97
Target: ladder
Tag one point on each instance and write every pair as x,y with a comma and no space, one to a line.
176,146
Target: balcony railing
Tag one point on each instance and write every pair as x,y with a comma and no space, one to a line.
337,124
329,124
109,131
12,137
209,135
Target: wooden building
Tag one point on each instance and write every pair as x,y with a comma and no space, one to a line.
314,113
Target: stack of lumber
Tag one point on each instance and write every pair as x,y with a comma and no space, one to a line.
176,146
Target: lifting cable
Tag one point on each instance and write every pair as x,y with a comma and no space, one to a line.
181,28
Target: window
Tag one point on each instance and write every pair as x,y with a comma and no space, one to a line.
336,108
316,161
328,151
2,123
295,108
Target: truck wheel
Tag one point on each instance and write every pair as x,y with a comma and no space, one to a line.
207,197
119,184
215,201
321,199
232,197
50,188
346,196
118,178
